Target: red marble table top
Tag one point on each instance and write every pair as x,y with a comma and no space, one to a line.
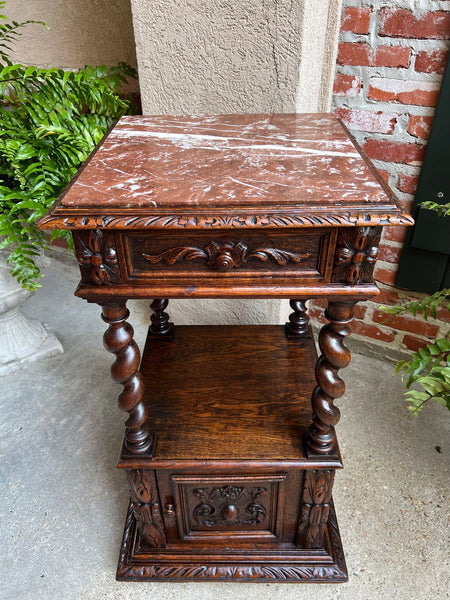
167,171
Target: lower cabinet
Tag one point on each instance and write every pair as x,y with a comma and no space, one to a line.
229,509
243,525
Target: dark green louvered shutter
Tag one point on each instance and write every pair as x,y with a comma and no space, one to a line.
425,260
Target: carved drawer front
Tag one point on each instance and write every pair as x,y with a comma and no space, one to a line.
306,254
224,507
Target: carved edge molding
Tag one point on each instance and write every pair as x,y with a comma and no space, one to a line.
274,573
61,221
231,572
225,256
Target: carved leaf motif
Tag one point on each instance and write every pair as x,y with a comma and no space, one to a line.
171,256
225,255
246,572
241,506
315,508
281,257
230,491
145,505
203,512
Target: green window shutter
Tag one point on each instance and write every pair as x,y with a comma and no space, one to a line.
425,264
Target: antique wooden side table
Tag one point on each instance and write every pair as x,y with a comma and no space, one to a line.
229,448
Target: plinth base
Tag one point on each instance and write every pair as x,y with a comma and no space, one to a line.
278,566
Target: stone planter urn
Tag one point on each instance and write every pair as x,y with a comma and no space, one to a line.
22,340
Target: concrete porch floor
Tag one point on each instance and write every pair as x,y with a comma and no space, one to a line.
63,503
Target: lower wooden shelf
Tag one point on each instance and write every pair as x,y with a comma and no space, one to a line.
228,492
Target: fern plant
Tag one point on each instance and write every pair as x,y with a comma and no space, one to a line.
429,367
50,122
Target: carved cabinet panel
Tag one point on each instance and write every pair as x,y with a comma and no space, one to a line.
226,508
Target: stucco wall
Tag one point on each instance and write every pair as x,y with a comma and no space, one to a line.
94,32
197,56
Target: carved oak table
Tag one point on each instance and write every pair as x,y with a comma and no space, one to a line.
229,448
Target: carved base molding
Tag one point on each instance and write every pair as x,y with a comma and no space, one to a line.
322,565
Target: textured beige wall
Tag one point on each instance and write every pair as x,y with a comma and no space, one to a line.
198,56
81,32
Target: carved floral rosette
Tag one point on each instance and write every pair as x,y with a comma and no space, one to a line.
356,254
97,256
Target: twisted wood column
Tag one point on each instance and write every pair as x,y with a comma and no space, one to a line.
298,325
160,327
118,339
334,356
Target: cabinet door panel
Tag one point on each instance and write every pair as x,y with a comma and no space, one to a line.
228,508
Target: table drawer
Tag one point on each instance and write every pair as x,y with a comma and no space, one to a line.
227,255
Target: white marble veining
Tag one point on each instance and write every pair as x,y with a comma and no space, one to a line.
228,160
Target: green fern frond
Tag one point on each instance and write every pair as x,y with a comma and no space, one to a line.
426,306
443,210
429,368
50,122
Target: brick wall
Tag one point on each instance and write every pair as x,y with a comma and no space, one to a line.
390,61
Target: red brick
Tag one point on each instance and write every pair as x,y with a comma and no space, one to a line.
444,315
346,85
396,233
419,126
408,183
359,311
372,331
352,53
318,305
402,23
320,302
405,323
391,56
397,152
431,62
388,296
356,19
389,253
360,53
385,276
317,314
366,120
413,343
420,93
